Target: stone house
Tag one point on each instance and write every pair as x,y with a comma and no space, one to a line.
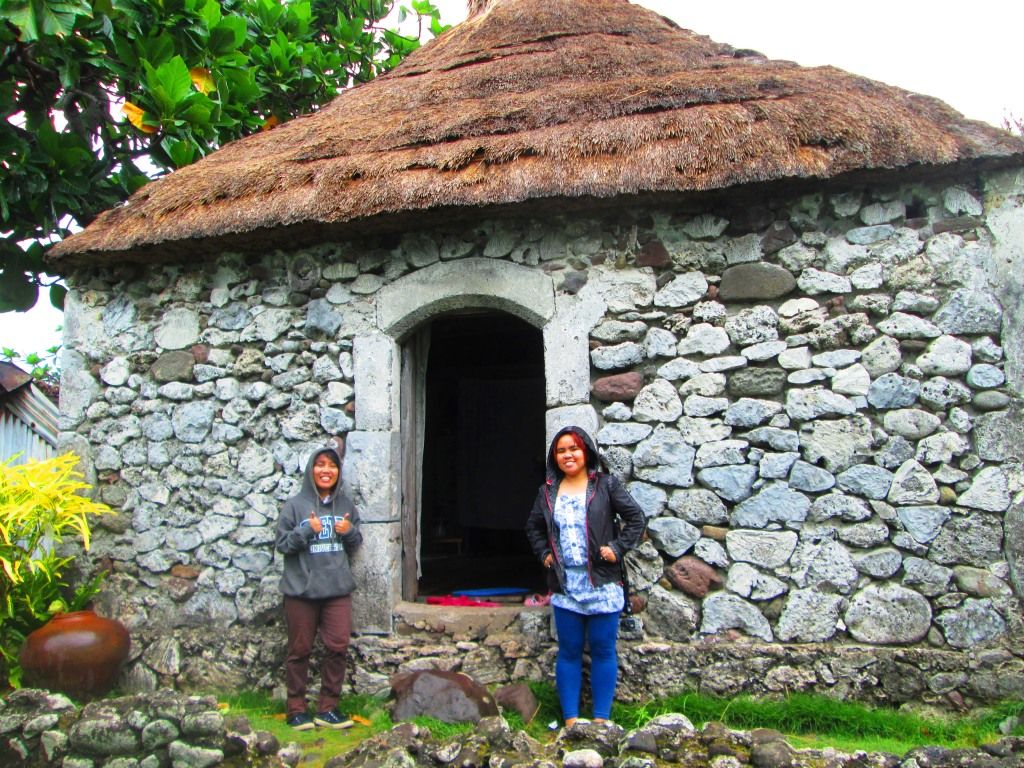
785,300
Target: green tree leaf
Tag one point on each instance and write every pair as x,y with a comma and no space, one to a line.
69,66
17,292
57,295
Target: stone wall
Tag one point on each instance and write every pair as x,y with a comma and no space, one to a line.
814,397
508,644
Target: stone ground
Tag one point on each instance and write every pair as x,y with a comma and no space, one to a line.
175,730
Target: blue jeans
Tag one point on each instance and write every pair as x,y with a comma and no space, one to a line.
600,631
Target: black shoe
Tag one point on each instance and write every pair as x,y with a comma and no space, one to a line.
301,721
332,719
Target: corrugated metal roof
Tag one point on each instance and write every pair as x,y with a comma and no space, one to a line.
28,418
12,377
18,437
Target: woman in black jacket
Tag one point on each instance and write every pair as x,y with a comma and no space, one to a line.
582,524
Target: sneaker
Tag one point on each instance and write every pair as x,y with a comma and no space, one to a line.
332,719
301,721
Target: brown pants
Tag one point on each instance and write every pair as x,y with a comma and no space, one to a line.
333,617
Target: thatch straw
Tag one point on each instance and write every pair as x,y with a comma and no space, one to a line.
538,99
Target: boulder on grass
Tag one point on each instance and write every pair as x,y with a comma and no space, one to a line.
451,697
520,698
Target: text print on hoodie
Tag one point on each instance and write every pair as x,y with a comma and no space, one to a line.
316,566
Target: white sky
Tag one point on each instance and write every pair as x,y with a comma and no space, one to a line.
966,54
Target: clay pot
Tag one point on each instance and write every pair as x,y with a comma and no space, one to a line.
77,653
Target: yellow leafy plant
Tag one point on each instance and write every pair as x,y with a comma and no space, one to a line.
41,505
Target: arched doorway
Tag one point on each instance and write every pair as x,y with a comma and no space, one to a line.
482,458
385,452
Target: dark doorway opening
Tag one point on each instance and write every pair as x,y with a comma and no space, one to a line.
483,454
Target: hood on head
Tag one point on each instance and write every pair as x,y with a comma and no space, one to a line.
333,450
593,459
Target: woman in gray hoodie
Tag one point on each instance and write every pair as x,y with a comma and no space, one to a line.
316,532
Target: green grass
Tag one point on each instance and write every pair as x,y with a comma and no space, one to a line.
320,744
818,721
808,721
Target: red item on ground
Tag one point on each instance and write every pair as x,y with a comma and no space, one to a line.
461,601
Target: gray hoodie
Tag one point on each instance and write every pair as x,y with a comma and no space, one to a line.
316,566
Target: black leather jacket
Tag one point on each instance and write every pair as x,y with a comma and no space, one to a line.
613,518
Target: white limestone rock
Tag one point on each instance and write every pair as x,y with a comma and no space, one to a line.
901,325
882,563
767,549
958,201
657,402
881,356
910,423
985,376
823,562
815,281
721,453
975,623
764,350
711,552
914,302
854,380
882,213
705,226
923,522
940,448
617,331
670,614
705,385
748,412
989,491
678,369
742,250
704,339
672,536
809,478
946,356
665,458
888,614
838,505
868,277
776,502
809,616
725,363
684,290
733,483
698,406
866,480
722,611
698,506
623,434
747,581
697,431
753,326
618,356
810,404
776,466
660,343
912,484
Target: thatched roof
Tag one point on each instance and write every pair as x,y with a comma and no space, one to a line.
537,99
